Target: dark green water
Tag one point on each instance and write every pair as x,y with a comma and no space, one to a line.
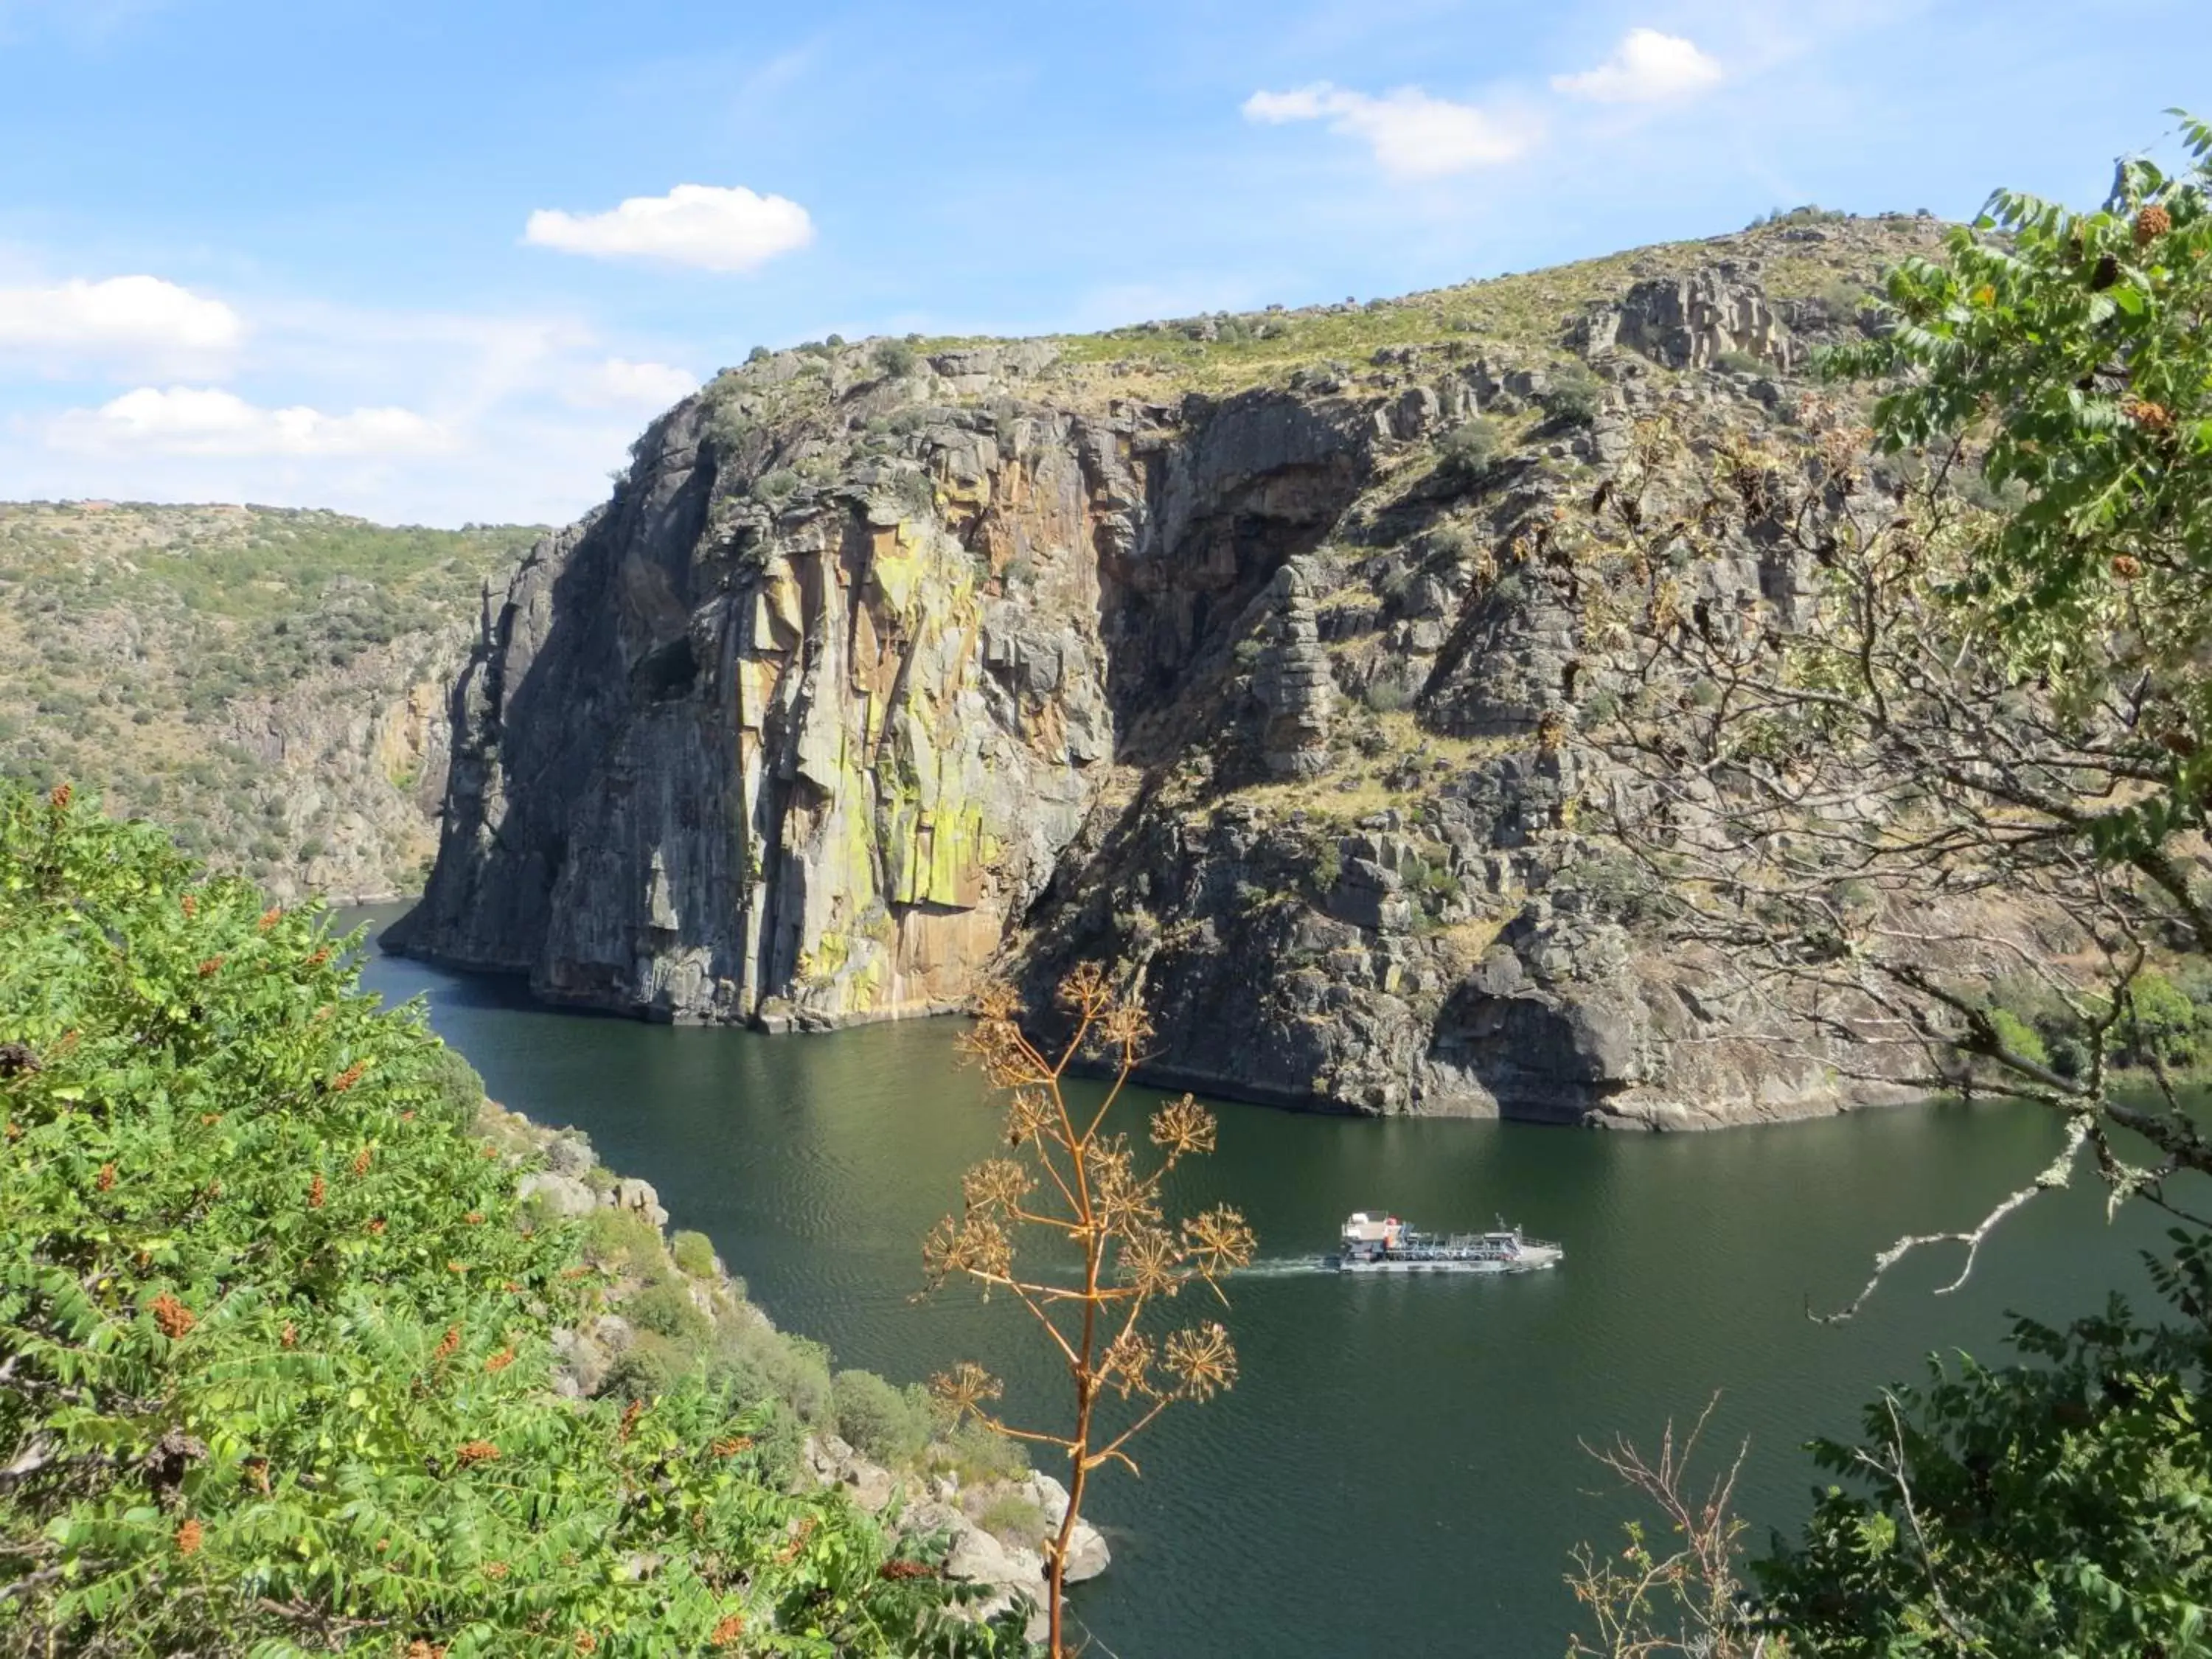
1398,1471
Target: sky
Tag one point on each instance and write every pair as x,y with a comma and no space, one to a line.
439,261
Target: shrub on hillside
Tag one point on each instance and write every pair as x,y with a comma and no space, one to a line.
886,1425
275,1362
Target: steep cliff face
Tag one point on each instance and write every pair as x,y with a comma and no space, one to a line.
1256,677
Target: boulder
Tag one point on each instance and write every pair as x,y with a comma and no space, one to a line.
563,1194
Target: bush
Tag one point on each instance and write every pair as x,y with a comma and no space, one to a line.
617,1238
1575,397
776,485
759,1363
665,1307
694,1254
896,359
883,1423
2164,1024
459,1091
1468,452
1739,363
2018,1036
348,1346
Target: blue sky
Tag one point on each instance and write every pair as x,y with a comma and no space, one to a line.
439,262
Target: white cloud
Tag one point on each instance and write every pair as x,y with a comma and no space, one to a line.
206,422
1646,67
618,383
707,226
127,319
1412,135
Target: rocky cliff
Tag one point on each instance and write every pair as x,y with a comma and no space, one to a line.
1238,651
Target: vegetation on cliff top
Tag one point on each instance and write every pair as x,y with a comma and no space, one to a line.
275,1357
175,659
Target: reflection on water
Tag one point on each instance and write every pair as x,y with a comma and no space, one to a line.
1398,1466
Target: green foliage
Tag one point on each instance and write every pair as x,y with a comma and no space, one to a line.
2163,1025
275,1359
2069,350
1467,451
1574,396
887,1425
776,485
2054,1506
1739,363
894,359
694,1253
2018,1038
615,1238
665,1307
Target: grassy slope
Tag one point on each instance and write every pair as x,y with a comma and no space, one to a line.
142,649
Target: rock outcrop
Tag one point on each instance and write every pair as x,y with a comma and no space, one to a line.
870,682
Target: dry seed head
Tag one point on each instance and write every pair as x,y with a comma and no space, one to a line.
1122,1026
725,1633
1127,1367
211,966
733,1444
270,917
447,1345
494,1569
1183,1128
1029,1115
1085,991
361,1160
1150,1261
996,1183
631,1412
59,797
1217,1240
975,1245
2150,416
2127,566
470,1452
345,1079
316,1190
499,1361
1201,1361
190,1537
106,1177
2151,223
964,1389
290,1339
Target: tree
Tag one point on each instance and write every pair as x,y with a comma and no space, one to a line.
1982,744
1976,747
2054,1506
1075,1181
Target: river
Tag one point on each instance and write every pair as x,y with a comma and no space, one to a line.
1398,1470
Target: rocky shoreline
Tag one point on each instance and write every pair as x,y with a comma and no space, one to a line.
561,1178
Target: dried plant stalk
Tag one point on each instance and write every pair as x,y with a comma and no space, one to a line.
1068,1177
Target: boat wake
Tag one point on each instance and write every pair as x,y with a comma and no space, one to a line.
1282,1266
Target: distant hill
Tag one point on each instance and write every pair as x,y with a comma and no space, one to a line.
274,681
